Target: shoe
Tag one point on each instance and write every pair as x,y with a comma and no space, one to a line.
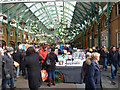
54,81
105,69
49,82
17,76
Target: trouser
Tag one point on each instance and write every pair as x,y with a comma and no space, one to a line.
18,70
105,63
114,69
0,83
119,63
6,81
51,74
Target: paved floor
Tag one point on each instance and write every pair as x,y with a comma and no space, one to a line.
105,76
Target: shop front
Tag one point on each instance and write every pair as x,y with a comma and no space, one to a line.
104,38
118,40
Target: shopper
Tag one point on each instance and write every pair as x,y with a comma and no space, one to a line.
114,59
94,49
8,69
17,56
43,53
119,56
1,66
93,80
104,57
84,67
24,71
51,68
32,63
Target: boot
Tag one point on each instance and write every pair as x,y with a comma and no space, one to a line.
54,81
49,82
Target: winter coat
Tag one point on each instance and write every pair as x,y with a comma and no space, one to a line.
94,76
1,66
17,57
8,67
32,63
43,54
103,54
53,59
114,57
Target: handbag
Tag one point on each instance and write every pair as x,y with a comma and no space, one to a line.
48,61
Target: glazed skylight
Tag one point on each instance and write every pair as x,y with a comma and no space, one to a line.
52,13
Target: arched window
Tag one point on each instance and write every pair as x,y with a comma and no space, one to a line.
1,30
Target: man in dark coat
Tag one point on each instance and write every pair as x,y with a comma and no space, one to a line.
32,63
114,59
119,56
0,67
51,68
104,57
8,69
17,56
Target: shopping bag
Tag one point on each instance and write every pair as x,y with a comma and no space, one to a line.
44,75
16,64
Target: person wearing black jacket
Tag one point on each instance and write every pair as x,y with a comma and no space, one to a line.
0,67
32,63
119,56
114,59
8,69
17,56
104,57
51,68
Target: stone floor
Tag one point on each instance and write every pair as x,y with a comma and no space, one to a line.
105,76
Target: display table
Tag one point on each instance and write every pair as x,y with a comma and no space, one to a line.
72,74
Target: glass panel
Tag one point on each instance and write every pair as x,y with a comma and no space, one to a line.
11,32
1,30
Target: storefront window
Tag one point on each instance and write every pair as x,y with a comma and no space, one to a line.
105,22
118,40
104,38
24,36
19,35
11,32
119,7
1,30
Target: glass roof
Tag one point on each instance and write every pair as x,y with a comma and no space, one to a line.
53,13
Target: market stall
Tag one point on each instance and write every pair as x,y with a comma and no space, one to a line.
70,66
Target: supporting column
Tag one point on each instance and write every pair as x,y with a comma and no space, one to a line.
92,36
17,33
108,21
85,39
8,27
17,36
82,40
98,30
22,35
88,38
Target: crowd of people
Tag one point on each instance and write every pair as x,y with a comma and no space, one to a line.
91,69
29,64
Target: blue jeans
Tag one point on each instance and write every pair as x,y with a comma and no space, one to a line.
114,71
6,81
51,74
119,63
104,61
18,70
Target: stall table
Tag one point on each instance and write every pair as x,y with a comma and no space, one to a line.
72,74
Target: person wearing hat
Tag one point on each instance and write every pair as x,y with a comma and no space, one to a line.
8,69
51,68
